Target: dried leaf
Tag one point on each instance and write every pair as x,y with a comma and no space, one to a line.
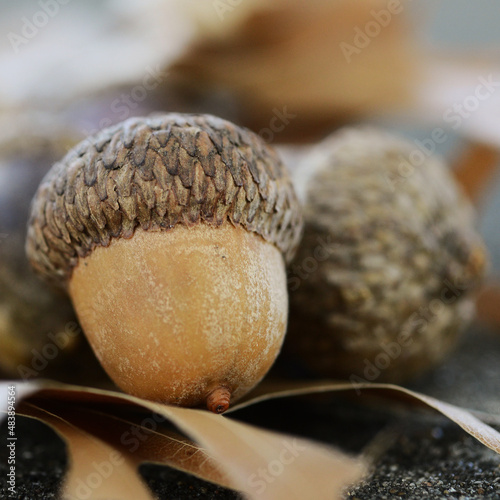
96,470
22,392
464,418
487,305
140,435
295,466
475,168
307,467
268,48
95,424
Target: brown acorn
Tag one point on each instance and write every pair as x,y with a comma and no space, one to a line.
170,234
31,315
384,277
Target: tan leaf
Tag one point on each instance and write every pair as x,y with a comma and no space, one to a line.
96,469
487,305
262,464
139,434
464,418
475,168
267,465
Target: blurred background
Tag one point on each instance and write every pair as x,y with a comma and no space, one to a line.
290,70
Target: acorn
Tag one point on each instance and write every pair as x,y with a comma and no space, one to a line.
170,234
31,315
383,281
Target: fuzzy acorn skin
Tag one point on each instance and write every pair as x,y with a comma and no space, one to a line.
383,281
170,234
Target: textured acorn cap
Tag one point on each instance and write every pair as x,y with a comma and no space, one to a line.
155,173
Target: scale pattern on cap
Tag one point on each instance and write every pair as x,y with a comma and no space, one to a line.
155,173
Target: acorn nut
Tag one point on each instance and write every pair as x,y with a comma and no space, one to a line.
170,234
383,280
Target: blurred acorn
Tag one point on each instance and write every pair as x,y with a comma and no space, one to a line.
295,67
37,325
383,281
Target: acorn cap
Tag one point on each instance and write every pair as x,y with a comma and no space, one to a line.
155,173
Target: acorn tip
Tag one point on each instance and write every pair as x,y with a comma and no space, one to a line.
219,399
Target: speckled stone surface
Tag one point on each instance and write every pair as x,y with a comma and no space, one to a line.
433,461
40,461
